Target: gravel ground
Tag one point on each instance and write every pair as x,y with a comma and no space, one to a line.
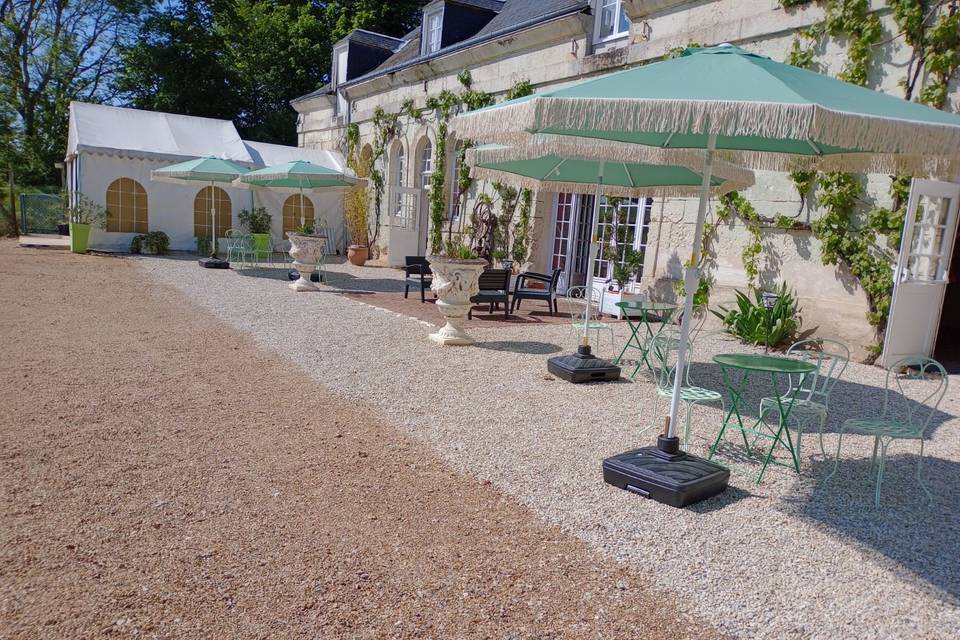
794,557
164,478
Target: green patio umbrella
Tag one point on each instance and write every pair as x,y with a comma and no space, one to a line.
563,173
744,107
208,170
300,174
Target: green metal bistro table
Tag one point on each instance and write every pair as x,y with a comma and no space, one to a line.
637,314
743,365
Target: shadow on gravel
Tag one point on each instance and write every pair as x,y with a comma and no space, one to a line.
378,285
520,346
731,496
918,537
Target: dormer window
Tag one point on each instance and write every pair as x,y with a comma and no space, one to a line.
432,30
611,20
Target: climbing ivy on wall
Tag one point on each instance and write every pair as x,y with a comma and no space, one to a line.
932,30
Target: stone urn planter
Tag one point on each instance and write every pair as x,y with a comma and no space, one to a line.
455,281
306,251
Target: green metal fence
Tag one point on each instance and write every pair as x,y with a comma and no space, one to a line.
41,213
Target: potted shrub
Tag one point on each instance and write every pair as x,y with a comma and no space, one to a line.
456,278
358,254
83,215
501,257
258,224
306,248
155,242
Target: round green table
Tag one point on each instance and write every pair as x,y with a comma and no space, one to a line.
637,314
743,365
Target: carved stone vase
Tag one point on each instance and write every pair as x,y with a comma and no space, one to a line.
455,281
306,251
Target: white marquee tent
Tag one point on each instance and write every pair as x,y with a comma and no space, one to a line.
106,144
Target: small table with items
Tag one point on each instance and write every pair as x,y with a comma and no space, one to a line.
638,315
746,364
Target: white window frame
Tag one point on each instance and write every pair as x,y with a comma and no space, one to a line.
429,44
454,213
640,238
342,104
618,10
426,165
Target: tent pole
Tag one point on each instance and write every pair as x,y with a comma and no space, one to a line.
691,281
592,254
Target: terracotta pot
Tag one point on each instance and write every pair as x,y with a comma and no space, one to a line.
358,254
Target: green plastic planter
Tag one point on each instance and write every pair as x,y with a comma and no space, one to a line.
79,235
262,245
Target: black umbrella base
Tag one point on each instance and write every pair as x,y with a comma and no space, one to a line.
666,474
213,263
583,366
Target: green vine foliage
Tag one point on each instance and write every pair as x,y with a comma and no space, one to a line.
734,204
521,240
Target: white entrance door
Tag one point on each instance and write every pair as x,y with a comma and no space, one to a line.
923,265
404,221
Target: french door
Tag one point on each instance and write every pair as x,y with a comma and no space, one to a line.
922,271
573,215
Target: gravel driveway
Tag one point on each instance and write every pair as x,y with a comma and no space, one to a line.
165,478
794,557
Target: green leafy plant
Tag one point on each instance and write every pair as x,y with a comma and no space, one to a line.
458,250
499,254
155,242
203,246
751,321
305,229
257,220
86,211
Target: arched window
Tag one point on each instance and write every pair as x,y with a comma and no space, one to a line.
126,206
426,165
297,210
211,198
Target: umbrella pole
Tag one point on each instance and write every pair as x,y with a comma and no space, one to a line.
592,255
691,281
213,222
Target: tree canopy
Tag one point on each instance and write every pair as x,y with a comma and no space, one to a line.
241,60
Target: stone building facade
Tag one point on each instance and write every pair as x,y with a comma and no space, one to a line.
554,42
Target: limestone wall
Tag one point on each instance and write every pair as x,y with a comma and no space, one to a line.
557,54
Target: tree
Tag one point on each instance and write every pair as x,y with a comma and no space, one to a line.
177,64
52,52
394,18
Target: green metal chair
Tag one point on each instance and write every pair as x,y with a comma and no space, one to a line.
575,303
240,248
663,358
902,417
812,399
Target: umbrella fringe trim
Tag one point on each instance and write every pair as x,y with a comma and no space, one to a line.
589,188
728,118
533,147
527,146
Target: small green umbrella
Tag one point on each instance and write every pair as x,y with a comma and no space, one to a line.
300,174
209,170
728,102
556,172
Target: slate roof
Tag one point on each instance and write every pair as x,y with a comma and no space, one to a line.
514,15
374,39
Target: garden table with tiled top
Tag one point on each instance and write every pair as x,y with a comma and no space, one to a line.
637,314
745,364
